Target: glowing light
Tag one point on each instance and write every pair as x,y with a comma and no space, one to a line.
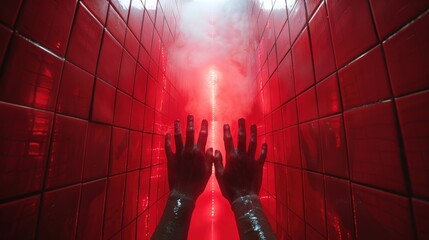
268,5
150,4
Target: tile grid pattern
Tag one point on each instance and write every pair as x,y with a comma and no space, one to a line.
85,100
343,88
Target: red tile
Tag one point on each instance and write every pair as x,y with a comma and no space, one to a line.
421,213
143,199
116,25
290,115
283,42
286,81
58,217
146,150
18,219
48,22
272,61
67,151
31,75
5,36
149,119
352,28
91,210
9,11
142,225
406,55
323,54
390,16
339,211
110,60
365,80
302,63
373,146
103,103
24,144
310,146
291,147
130,231
98,8
119,151
281,186
132,44
307,106
413,114
134,150
123,7
328,96
97,151
122,110
147,33
130,200
312,234
333,146
297,19
135,20
114,205
141,83
279,16
137,115
153,189
296,227
314,198
294,184
274,87
75,92
85,40
375,218
127,73
312,6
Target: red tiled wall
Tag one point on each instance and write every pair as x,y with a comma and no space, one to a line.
343,88
84,102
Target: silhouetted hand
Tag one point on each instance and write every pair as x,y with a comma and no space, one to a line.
188,169
242,175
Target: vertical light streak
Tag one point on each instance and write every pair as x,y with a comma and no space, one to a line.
212,83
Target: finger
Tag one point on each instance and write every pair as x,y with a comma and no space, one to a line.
168,150
241,146
178,136
263,155
209,156
227,139
218,164
170,161
253,141
190,132
202,138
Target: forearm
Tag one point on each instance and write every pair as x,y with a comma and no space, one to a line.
176,218
250,218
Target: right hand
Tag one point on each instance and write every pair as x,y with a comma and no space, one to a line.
242,174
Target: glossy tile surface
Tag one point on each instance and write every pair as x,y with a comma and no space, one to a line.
373,150
414,116
47,22
24,149
59,213
31,76
75,91
67,151
85,40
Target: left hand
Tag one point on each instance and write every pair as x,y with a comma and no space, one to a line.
189,169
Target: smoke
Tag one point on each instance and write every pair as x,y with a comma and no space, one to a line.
213,58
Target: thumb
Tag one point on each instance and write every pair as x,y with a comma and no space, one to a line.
218,164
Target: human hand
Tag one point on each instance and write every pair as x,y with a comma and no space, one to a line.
242,174
189,169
